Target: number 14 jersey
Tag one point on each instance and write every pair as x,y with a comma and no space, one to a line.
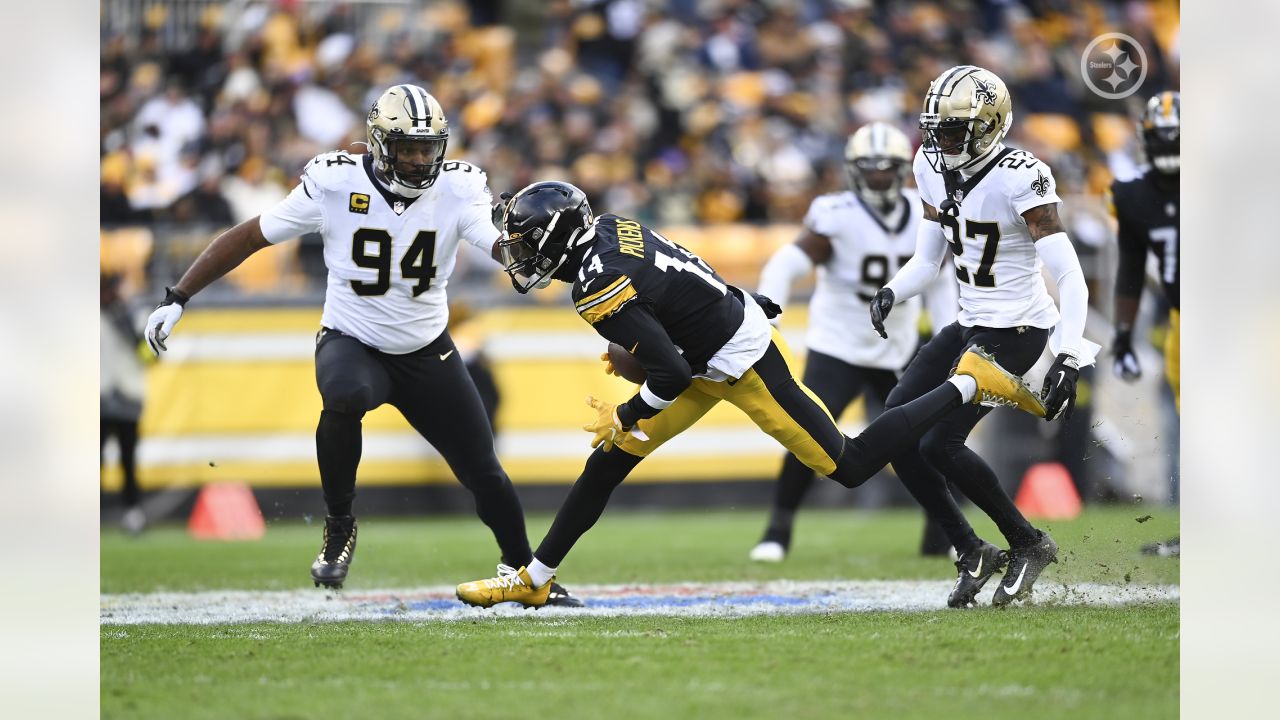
389,258
996,262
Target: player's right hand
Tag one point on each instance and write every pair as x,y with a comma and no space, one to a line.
881,305
1126,365
162,320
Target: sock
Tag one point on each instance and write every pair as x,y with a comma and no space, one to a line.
338,446
967,386
539,573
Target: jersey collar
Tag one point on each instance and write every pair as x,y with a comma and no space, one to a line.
903,218
393,200
958,187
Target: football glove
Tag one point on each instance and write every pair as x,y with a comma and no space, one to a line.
607,427
162,320
881,305
1059,391
1126,365
609,369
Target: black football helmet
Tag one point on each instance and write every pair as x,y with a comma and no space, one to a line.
540,226
1161,130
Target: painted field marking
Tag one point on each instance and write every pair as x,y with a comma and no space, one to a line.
731,599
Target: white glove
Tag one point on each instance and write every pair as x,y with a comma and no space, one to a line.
162,320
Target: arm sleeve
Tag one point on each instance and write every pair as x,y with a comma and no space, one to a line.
941,302
669,373
300,213
1073,295
787,264
912,278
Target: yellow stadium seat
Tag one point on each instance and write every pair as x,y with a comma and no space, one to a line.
1112,130
1059,132
125,252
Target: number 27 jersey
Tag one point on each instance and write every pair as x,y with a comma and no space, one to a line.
389,258
996,262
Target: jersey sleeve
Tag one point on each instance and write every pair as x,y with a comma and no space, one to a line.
300,213
924,178
821,219
1032,187
470,188
603,296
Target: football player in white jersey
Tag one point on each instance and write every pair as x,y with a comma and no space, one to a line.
391,220
997,210
856,239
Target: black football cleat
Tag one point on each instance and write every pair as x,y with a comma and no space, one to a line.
339,548
973,570
1025,565
560,597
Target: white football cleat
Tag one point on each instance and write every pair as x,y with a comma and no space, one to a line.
768,552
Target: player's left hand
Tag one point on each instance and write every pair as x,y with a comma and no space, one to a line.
607,427
881,306
1059,391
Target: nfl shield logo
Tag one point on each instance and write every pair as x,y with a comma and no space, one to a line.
398,207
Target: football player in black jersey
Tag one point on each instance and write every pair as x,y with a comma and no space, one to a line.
699,341
1147,211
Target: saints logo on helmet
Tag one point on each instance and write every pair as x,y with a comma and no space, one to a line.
541,225
966,114
877,158
1161,131
408,134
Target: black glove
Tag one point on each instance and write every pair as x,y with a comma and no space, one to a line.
1126,365
881,304
1059,391
770,308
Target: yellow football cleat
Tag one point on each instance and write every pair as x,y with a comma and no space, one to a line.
513,586
997,386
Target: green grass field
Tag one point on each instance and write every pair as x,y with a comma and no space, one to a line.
1042,662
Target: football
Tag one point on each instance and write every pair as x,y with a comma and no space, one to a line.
626,364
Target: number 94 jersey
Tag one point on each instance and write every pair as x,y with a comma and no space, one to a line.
389,258
996,262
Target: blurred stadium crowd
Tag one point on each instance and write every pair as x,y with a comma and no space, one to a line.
671,111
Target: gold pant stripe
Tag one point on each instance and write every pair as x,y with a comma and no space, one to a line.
750,395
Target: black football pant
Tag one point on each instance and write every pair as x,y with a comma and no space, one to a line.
837,384
126,435
941,451
432,390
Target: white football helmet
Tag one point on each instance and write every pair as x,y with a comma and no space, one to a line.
869,155
407,118
966,114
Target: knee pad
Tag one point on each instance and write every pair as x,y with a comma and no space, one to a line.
347,398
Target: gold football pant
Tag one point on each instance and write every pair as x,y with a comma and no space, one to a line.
770,394
1171,365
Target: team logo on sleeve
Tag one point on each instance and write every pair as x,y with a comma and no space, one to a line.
1040,184
359,203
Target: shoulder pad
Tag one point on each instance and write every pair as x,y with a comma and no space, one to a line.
464,180
832,201
332,169
601,296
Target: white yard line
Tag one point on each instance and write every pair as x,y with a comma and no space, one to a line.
434,604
